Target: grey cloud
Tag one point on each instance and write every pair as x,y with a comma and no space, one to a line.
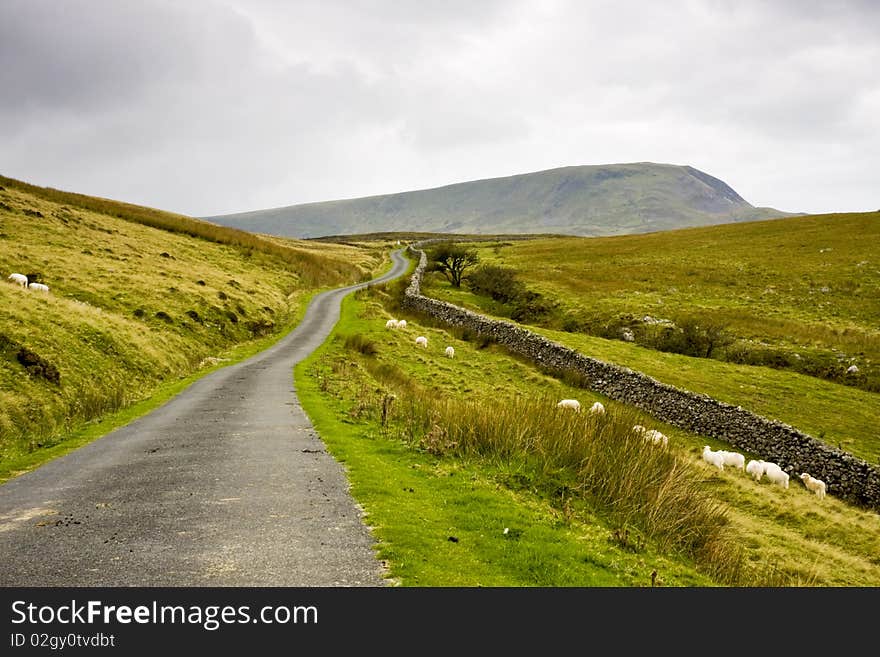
213,106
79,54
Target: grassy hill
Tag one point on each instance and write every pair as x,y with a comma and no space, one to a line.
469,478
582,200
139,298
800,293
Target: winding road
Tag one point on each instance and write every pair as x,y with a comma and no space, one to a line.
227,484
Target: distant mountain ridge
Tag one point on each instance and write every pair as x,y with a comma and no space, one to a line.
591,200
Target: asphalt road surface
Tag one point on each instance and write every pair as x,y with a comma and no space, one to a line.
227,484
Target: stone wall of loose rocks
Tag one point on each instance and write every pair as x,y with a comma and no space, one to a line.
846,476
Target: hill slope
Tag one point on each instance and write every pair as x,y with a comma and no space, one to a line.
132,306
582,200
778,299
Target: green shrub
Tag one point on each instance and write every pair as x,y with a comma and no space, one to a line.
496,282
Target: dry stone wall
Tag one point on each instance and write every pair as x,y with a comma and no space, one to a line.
845,475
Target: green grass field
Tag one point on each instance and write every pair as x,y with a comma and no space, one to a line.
800,293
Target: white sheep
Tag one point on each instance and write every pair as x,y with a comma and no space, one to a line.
39,287
815,485
391,324
713,458
597,409
775,474
735,459
422,341
756,469
656,437
19,279
450,352
401,324
573,404
639,430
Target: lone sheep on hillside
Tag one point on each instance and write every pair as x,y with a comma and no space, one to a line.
422,341
776,474
815,485
713,458
573,404
756,469
597,409
735,459
19,279
656,437
450,352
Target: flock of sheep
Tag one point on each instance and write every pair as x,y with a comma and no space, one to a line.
718,458
759,469
421,341
21,279
650,435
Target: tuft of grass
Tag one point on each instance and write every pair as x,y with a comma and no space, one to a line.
361,344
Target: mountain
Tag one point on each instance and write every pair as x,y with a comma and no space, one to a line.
611,199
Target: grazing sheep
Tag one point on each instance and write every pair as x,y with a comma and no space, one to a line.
656,437
815,485
401,324
20,279
735,459
639,430
597,409
775,474
39,287
756,469
422,341
573,404
713,458
450,352
391,324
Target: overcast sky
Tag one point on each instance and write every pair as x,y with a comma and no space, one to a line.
215,106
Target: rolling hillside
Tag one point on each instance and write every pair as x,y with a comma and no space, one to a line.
499,483
138,298
795,304
611,199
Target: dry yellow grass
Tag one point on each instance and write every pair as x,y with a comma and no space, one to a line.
131,305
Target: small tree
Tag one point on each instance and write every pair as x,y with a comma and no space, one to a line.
452,259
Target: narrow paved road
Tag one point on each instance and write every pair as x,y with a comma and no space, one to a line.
225,485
